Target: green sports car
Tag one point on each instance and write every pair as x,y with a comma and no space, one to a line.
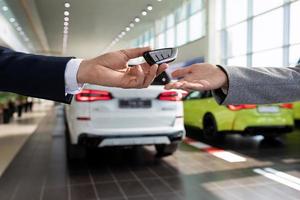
202,111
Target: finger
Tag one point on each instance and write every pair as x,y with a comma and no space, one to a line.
140,76
175,85
193,86
150,76
135,52
181,72
162,68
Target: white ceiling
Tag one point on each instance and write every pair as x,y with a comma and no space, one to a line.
95,23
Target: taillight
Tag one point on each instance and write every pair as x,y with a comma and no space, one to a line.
93,95
241,107
170,96
287,105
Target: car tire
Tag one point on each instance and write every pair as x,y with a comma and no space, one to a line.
166,149
210,128
74,152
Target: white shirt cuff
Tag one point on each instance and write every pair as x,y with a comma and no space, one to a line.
71,84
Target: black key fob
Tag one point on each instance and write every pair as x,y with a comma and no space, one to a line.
160,56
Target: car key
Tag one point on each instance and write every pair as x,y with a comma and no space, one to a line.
160,56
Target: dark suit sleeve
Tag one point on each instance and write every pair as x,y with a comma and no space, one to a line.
33,75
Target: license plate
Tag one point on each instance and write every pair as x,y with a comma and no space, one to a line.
268,109
135,103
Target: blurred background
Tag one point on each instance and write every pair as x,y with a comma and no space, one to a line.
151,144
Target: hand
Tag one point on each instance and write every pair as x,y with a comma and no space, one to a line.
111,69
199,77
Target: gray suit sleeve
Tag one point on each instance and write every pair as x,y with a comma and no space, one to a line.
260,85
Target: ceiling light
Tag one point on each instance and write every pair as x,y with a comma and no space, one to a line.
19,28
66,28
5,8
123,33
159,0
67,5
26,39
144,13
66,23
137,19
12,20
117,39
66,19
22,33
127,29
16,24
131,24
149,7
65,31
120,36
66,13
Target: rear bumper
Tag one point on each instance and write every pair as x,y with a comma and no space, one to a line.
267,131
91,140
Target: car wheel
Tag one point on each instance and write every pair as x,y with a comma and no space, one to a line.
210,128
166,149
74,152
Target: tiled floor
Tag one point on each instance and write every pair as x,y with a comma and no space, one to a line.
40,171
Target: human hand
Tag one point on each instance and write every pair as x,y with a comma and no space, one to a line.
111,69
200,77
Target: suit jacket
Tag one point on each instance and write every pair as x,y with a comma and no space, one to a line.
33,75
260,85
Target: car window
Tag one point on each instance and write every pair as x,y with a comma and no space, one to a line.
161,79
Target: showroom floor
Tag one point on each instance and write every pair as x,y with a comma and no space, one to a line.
240,168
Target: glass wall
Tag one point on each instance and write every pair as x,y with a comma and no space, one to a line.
185,24
259,32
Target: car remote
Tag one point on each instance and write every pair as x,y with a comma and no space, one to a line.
160,56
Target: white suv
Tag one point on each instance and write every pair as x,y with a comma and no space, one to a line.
103,116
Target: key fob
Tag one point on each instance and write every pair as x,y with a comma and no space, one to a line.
160,56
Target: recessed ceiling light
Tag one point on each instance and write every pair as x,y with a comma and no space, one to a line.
66,19
19,28
120,36
66,31
67,5
131,25
117,39
5,8
12,20
66,23
159,0
149,7
127,29
66,13
123,33
137,19
66,28
144,13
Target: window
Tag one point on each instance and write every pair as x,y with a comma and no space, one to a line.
171,37
161,40
236,11
295,25
294,54
181,13
260,6
160,25
170,20
271,58
196,29
181,32
268,30
237,61
195,6
237,40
